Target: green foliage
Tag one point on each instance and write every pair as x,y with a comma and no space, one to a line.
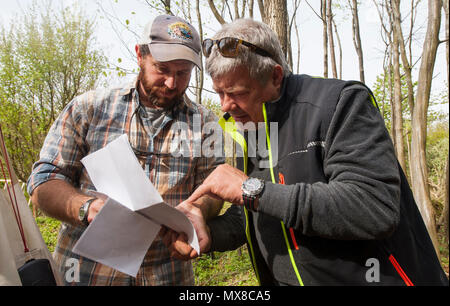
213,106
384,98
437,152
46,59
49,230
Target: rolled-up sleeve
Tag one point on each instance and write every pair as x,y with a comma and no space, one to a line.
63,148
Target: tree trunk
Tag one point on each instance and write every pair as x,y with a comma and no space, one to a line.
199,72
419,171
446,10
298,47
323,13
276,16
261,9
330,38
391,98
250,8
397,114
397,29
339,48
236,9
443,220
216,14
357,38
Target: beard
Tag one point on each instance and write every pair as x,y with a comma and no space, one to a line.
157,95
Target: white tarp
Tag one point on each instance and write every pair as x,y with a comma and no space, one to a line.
12,254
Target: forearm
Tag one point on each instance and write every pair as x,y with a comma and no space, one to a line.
210,207
59,200
337,210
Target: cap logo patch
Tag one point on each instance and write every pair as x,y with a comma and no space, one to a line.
180,30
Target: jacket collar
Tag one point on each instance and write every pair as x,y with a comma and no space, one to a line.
277,106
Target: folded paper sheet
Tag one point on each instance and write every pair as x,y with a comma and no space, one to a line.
123,230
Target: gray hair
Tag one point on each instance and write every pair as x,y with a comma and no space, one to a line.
257,33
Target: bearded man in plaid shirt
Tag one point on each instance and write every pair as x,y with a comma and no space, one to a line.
147,111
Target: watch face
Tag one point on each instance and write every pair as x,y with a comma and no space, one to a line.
81,213
252,186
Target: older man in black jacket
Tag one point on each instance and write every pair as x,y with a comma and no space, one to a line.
330,205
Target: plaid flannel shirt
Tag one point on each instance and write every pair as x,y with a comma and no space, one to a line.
96,118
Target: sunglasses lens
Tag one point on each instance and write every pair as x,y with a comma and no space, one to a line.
228,46
207,46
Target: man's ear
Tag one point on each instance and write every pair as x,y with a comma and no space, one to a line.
277,76
138,55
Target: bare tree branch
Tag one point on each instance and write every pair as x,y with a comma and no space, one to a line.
113,20
216,14
166,4
289,31
317,14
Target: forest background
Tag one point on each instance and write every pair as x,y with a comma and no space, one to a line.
52,51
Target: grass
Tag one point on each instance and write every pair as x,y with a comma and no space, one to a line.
225,269
49,228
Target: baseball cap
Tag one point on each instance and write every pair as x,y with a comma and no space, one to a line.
172,38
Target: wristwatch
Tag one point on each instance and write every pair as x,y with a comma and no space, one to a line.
83,212
251,190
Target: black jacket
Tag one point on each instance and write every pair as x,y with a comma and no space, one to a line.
348,212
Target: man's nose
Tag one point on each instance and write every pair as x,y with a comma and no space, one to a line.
171,82
227,104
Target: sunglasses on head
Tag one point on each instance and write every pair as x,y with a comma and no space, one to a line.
229,47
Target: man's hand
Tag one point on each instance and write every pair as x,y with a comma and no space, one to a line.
177,242
224,183
95,206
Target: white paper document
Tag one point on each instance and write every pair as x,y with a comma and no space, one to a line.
123,230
